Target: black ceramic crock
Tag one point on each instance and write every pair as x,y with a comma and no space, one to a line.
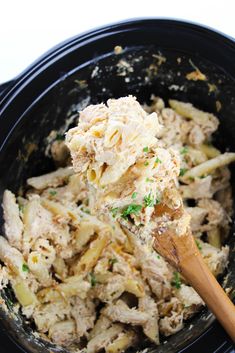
86,70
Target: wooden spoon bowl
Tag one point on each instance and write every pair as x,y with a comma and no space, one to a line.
182,253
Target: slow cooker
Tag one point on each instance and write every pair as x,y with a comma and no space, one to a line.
88,69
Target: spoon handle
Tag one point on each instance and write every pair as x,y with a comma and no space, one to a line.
200,277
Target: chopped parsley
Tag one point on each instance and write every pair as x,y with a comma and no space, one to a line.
198,244
146,163
157,201
25,268
184,150
158,256
158,160
149,200
134,195
52,192
112,262
146,149
176,281
131,209
149,180
59,137
191,178
86,210
93,279
183,171
114,211
21,208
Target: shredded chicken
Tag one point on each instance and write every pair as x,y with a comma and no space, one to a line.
122,313
84,315
172,324
190,299
216,259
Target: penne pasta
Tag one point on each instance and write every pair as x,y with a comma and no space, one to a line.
74,285
103,323
53,179
209,166
60,268
209,150
58,209
91,256
187,110
24,294
134,287
214,238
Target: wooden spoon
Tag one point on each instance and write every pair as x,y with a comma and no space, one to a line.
182,253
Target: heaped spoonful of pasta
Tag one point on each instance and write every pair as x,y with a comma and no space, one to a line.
133,177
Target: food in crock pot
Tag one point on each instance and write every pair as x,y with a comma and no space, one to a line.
85,281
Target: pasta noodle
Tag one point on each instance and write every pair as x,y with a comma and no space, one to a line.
23,294
210,165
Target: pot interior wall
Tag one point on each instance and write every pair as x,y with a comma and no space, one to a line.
140,71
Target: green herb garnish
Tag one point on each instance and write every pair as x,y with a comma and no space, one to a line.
183,171
114,211
149,180
131,209
112,262
93,279
59,137
146,149
52,192
86,210
198,244
184,150
176,281
134,195
146,163
157,201
158,160
149,200
21,208
158,256
25,268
